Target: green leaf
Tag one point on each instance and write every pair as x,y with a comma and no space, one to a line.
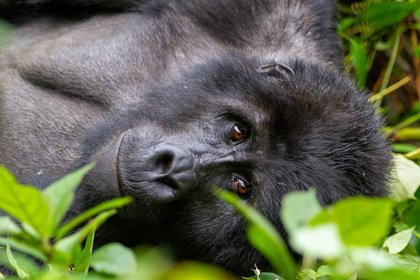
192,271
413,215
390,274
360,61
25,247
264,276
114,259
384,14
25,203
370,258
60,194
107,205
417,194
83,262
20,272
324,270
8,227
408,262
31,231
406,176
298,208
155,263
403,147
344,24
263,236
307,274
66,250
322,241
361,221
397,242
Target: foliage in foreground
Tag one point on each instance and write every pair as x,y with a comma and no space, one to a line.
356,238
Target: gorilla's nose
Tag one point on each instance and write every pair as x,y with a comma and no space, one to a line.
160,172
172,169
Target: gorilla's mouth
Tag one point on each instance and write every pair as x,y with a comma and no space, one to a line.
168,181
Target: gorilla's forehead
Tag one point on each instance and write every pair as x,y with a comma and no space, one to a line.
235,81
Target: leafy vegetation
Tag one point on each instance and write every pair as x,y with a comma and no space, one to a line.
357,238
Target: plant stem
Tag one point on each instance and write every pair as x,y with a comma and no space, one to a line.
391,64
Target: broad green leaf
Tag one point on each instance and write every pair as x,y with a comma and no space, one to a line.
384,14
408,262
397,242
104,206
25,247
83,262
25,203
60,194
8,227
344,24
298,208
370,258
20,272
361,221
390,274
413,215
406,175
114,259
154,263
263,236
66,250
27,263
322,241
360,61
194,271
266,244
324,270
264,276
307,274
403,147
417,194
31,231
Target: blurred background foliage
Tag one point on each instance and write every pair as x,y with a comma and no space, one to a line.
381,40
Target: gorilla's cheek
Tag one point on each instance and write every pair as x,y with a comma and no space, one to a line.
104,175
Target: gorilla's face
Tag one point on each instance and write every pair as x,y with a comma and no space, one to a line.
258,133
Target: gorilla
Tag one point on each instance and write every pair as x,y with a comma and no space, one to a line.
171,98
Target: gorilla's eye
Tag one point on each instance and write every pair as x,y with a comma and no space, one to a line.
241,187
238,132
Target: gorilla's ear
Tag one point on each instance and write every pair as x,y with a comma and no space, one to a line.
277,70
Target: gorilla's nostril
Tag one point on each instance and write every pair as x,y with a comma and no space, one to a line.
163,162
173,167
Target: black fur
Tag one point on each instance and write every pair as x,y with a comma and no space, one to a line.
151,91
